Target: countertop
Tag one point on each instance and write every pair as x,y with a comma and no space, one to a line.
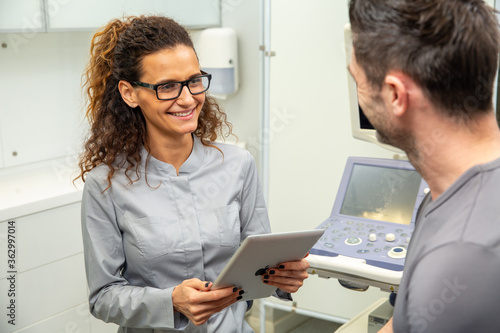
37,187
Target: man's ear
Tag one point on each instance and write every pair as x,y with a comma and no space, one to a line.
128,93
397,94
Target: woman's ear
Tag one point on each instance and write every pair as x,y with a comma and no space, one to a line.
128,93
397,94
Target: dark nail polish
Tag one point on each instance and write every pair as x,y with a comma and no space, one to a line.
234,289
272,272
281,266
266,276
241,292
265,281
239,297
206,284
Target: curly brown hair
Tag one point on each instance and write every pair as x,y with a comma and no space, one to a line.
116,129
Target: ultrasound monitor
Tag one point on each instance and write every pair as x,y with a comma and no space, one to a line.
381,193
372,219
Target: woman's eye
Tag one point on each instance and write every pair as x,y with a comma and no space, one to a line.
168,86
195,81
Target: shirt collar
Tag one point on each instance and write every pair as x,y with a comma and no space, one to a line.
192,164
195,159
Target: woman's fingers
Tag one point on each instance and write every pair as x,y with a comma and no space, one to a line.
197,302
288,276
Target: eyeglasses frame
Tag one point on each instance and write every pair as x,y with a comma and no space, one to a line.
183,84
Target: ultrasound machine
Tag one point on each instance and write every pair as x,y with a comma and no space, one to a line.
371,224
373,217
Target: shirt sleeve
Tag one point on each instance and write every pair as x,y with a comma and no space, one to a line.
453,289
253,214
112,298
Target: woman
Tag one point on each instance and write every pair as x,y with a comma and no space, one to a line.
164,207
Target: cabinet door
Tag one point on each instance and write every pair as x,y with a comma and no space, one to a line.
92,14
25,16
41,97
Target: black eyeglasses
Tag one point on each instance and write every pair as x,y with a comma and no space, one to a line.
172,90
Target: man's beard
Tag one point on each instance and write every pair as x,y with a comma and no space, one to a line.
398,138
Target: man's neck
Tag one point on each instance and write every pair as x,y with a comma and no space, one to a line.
451,149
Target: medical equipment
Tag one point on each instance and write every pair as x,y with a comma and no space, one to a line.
370,225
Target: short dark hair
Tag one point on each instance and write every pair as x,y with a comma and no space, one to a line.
448,47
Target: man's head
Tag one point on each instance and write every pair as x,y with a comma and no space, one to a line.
449,48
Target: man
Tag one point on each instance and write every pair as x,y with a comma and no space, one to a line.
425,72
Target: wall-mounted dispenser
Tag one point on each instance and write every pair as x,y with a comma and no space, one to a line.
217,50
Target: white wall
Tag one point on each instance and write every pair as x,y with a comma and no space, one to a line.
312,136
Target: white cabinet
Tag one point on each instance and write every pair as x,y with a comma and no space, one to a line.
91,14
41,114
49,289
31,16
26,16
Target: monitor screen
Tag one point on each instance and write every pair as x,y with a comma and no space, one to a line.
381,193
364,123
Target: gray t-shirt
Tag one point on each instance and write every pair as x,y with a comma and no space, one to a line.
142,239
451,280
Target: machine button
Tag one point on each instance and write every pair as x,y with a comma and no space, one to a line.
372,237
390,237
353,241
397,253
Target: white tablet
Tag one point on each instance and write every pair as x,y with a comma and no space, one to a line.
258,252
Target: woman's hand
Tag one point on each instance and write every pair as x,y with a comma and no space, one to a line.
288,276
197,302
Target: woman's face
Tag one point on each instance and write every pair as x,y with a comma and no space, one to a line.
172,119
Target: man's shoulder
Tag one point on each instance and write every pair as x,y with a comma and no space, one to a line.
442,285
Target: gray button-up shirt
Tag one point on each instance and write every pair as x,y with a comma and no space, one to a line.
142,239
